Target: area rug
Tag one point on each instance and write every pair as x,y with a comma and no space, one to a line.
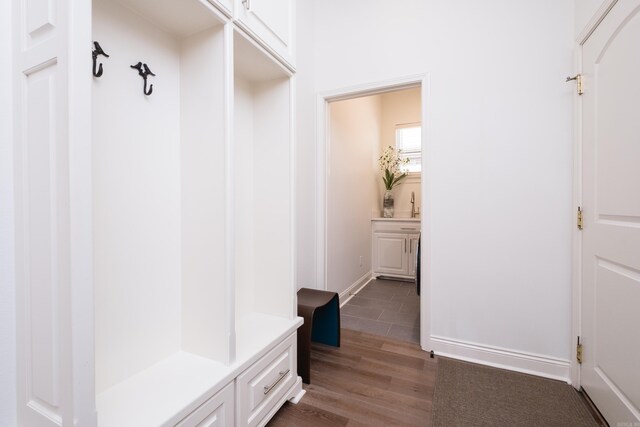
467,394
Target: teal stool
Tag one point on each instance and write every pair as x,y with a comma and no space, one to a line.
321,313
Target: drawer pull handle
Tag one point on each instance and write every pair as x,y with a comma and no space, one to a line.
407,228
267,388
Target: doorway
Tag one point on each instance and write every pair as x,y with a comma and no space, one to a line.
356,124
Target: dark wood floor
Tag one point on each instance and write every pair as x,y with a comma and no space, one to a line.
369,381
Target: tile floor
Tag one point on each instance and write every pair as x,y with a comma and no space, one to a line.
384,307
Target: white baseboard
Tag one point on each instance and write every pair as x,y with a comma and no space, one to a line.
542,366
347,294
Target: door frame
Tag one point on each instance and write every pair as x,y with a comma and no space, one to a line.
576,235
323,147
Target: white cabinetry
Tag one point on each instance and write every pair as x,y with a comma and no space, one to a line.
271,22
266,383
395,244
218,411
148,275
390,254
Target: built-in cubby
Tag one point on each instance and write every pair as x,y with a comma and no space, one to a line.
263,180
162,315
154,216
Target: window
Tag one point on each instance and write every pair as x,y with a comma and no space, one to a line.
409,140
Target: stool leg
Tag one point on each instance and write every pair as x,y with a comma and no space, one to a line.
304,345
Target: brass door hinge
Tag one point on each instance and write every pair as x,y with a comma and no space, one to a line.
579,218
578,78
579,351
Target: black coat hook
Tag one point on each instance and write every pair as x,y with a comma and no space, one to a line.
144,72
97,51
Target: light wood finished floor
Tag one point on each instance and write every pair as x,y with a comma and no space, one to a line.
369,381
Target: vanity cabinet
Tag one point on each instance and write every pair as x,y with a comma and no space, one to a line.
272,23
395,244
149,284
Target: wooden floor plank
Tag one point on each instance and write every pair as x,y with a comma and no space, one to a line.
307,415
368,381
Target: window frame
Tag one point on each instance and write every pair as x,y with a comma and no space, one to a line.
411,176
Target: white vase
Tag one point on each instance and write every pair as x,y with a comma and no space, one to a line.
387,204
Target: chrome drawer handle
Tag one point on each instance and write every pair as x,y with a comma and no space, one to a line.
407,228
267,388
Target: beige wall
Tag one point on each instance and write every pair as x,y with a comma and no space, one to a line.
399,108
352,189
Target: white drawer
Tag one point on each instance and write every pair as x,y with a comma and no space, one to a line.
265,383
215,412
405,227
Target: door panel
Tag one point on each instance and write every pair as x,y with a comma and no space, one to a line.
617,296
390,253
54,342
42,233
611,203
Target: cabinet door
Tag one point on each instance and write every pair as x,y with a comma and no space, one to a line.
390,254
413,251
265,384
218,411
271,23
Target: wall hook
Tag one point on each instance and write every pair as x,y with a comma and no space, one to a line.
97,51
144,72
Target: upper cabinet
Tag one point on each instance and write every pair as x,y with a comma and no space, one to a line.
271,23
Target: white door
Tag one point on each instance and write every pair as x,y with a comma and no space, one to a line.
610,372
390,254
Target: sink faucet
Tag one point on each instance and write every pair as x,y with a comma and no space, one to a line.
414,212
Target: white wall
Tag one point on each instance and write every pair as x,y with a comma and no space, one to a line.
352,186
305,161
399,107
7,283
244,248
136,188
499,149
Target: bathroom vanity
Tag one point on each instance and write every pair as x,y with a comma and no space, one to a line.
395,243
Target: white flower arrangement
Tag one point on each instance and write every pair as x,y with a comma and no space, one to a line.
391,163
